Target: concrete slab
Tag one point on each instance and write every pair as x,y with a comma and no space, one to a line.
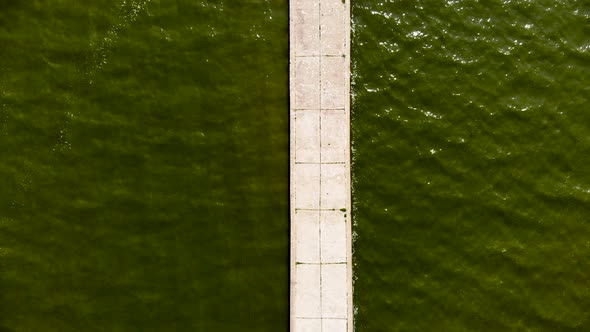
334,136
331,33
306,185
307,291
307,236
309,325
333,28
335,9
334,80
334,325
335,186
333,237
307,136
321,248
334,291
305,84
307,36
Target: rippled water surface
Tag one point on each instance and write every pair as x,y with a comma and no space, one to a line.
471,130
143,165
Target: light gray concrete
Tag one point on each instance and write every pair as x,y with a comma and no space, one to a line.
321,241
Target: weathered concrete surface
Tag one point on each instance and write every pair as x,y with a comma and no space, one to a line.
321,251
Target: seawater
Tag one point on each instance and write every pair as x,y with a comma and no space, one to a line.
471,141
144,165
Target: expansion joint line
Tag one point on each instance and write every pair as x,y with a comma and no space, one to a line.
320,165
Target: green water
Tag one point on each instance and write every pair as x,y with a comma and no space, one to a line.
471,150
143,165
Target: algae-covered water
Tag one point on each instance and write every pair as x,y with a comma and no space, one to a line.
471,131
143,165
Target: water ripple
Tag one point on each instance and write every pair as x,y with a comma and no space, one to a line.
470,141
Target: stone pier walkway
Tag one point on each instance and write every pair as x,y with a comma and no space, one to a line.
321,253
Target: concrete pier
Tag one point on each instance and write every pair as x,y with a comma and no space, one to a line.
321,240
